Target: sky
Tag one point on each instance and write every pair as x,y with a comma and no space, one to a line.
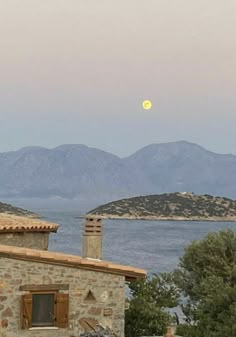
77,71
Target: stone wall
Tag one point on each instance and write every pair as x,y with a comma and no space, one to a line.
36,240
107,306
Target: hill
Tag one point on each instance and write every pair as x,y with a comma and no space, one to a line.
88,174
9,209
170,206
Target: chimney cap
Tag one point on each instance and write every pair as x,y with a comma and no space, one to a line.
91,217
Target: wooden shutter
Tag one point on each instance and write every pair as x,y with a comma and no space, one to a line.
26,311
62,310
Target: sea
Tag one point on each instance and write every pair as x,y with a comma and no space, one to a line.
155,246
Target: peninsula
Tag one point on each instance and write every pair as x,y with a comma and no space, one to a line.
12,210
170,206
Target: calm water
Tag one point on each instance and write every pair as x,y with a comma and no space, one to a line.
152,245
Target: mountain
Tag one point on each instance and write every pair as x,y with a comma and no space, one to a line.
183,166
67,171
169,206
84,173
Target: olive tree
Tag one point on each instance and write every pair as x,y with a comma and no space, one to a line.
207,279
147,314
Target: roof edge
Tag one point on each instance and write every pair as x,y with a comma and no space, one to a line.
28,230
73,261
10,223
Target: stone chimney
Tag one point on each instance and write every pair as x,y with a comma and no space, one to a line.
92,238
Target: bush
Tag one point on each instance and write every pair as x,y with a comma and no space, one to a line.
150,297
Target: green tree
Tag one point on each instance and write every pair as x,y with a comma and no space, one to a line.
207,278
147,315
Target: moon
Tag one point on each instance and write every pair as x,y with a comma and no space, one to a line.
147,104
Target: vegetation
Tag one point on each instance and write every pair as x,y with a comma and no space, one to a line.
170,206
9,209
186,330
146,315
206,279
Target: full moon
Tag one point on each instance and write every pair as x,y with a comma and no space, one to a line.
147,104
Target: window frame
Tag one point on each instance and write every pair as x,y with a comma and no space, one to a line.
61,307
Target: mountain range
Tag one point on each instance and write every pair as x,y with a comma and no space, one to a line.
81,172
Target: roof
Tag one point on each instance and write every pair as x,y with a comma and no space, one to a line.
14,224
56,258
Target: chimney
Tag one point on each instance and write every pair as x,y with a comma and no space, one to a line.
92,238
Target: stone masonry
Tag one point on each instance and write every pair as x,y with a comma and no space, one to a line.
93,295
25,232
36,240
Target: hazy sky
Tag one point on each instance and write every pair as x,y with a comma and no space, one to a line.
76,71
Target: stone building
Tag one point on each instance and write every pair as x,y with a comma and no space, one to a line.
47,294
25,232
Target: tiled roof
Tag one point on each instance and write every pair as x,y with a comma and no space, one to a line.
13,224
73,261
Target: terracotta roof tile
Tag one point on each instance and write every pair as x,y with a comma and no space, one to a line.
74,261
14,224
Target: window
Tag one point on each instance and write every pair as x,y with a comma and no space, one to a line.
44,309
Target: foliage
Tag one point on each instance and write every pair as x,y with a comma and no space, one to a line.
207,277
170,205
185,330
149,299
9,209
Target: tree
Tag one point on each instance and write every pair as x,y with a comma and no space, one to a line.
207,278
149,299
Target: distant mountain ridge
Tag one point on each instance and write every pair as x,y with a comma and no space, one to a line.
80,172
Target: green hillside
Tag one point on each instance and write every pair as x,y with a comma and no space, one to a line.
9,209
170,206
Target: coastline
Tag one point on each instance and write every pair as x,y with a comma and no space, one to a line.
160,218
